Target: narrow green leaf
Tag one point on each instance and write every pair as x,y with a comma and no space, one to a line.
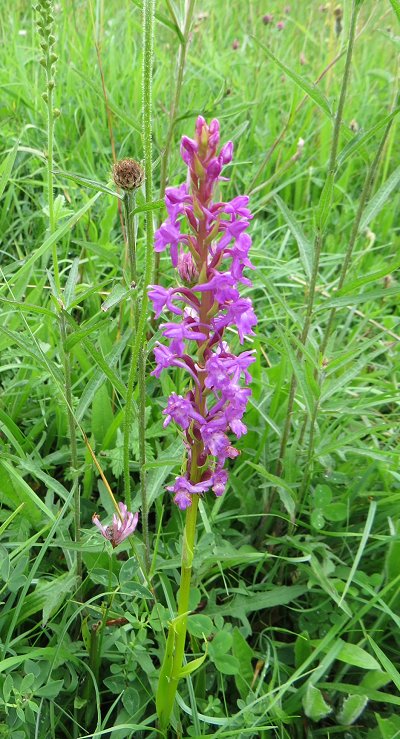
148,206
305,246
325,202
6,167
396,7
285,492
88,182
69,291
376,203
53,238
192,666
357,143
164,21
118,292
308,87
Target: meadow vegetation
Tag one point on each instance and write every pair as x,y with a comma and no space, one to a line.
296,581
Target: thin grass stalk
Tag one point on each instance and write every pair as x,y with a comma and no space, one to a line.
327,192
365,193
189,10
148,43
48,61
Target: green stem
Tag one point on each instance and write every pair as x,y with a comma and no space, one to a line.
129,202
142,455
189,9
148,40
172,665
317,247
63,330
73,445
50,180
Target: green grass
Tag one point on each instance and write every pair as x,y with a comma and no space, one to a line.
299,608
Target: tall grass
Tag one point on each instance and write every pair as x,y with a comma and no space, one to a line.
300,618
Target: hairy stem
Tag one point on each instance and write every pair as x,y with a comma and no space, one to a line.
189,9
142,454
129,201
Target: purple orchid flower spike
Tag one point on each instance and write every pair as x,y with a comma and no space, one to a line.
121,527
209,248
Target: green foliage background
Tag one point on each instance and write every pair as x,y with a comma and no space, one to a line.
299,610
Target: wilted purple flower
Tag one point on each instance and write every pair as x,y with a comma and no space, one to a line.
122,526
213,254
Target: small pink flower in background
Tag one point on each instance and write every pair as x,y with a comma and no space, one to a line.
280,25
267,19
235,44
121,527
303,59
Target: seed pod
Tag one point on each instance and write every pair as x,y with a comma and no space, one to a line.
128,174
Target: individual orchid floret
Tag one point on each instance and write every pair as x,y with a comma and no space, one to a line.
209,247
122,526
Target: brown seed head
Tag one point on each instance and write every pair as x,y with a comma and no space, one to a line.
128,174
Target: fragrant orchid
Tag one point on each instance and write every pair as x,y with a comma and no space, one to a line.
209,247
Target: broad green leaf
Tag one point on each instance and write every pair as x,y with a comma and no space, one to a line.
199,625
351,709
302,648
128,570
102,414
244,655
61,587
227,664
304,244
377,202
21,492
314,704
221,644
352,654
308,87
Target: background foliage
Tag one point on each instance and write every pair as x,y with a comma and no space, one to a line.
300,609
